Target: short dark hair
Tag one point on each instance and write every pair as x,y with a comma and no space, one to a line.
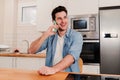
58,9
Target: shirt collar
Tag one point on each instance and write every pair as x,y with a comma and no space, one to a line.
67,32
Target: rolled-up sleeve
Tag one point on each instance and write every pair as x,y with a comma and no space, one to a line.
43,47
76,45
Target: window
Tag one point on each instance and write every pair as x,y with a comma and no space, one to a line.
29,15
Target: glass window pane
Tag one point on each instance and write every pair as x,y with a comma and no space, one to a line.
29,14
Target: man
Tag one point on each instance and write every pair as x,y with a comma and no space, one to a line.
63,47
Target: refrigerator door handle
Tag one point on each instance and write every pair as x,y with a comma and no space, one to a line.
110,35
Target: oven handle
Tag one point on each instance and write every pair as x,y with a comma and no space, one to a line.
91,41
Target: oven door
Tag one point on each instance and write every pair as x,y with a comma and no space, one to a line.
91,51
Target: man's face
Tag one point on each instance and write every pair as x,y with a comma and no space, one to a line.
62,19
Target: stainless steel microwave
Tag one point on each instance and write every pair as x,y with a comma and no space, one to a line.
83,22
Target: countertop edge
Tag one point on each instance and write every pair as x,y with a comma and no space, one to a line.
40,55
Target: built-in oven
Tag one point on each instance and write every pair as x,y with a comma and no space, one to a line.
91,51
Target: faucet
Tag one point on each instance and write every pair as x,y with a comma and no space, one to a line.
27,45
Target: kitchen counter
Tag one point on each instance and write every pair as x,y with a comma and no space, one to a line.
20,74
41,55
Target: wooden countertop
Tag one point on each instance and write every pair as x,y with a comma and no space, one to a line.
41,55
17,74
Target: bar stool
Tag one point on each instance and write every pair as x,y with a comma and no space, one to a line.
80,62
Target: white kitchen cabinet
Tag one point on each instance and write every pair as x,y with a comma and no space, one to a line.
6,62
105,3
78,7
91,68
29,63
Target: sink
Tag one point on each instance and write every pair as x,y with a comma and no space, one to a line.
4,48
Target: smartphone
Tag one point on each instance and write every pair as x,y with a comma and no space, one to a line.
54,29
55,23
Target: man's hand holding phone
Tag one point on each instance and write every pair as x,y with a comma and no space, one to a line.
52,29
55,29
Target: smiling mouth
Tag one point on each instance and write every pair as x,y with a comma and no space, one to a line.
63,25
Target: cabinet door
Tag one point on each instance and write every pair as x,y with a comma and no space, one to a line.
29,63
104,3
77,7
6,62
94,69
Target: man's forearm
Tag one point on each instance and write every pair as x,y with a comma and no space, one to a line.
64,63
37,44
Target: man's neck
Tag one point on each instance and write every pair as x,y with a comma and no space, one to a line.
61,33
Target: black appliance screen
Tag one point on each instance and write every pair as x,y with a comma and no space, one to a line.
82,77
91,77
80,24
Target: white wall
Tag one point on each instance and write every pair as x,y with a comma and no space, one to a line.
8,22
103,3
80,7
27,32
1,20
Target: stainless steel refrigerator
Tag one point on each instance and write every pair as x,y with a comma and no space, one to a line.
110,40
